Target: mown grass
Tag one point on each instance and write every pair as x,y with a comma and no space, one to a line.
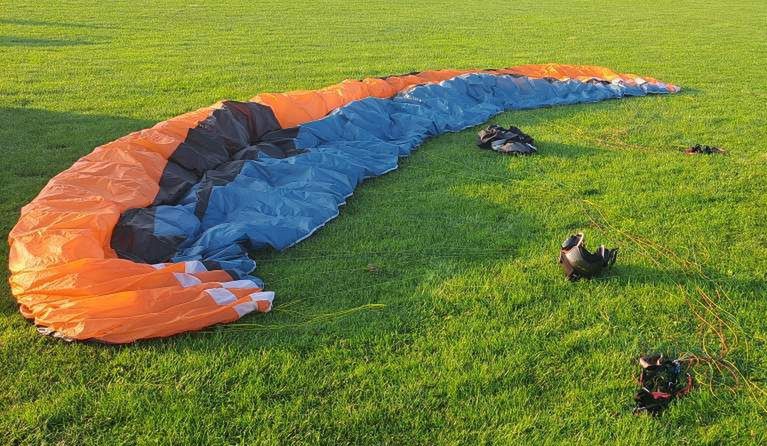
475,337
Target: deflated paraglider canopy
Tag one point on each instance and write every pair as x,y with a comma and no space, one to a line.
149,235
222,206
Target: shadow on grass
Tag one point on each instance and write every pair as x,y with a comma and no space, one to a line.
690,91
41,42
52,23
631,274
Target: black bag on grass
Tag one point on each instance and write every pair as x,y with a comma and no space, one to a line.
512,140
661,381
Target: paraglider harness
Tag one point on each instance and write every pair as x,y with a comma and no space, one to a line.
577,262
660,382
512,140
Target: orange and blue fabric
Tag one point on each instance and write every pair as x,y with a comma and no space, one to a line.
148,236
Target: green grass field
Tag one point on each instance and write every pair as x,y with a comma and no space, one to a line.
432,311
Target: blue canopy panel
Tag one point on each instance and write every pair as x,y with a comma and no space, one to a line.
249,204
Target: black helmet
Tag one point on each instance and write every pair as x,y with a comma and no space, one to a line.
577,262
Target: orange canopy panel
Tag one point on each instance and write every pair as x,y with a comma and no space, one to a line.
72,281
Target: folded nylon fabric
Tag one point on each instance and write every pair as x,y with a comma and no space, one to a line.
148,235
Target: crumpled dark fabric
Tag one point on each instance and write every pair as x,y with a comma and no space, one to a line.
662,380
512,140
705,150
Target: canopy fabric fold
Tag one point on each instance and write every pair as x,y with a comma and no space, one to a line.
148,236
